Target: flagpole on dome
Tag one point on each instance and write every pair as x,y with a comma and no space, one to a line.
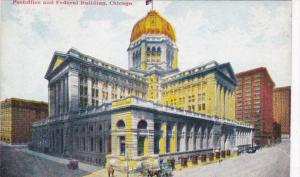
152,4
148,2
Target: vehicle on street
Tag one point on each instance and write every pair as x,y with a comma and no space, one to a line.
251,150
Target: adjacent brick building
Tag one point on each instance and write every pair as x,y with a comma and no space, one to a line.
16,118
282,109
254,102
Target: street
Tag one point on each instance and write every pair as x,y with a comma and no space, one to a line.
268,162
15,163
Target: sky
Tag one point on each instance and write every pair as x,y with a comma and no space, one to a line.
248,34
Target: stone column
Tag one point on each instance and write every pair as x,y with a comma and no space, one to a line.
61,99
222,141
210,139
251,136
57,100
236,143
191,138
89,87
242,138
183,139
164,54
109,91
173,142
205,138
163,138
198,138
130,62
239,138
100,96
66,106
49,100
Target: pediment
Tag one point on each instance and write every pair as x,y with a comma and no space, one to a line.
227,70
56,61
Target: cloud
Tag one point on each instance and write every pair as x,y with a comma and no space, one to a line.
264,41
30,35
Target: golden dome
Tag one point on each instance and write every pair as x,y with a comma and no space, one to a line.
152,23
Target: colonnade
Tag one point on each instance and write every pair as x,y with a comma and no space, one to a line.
172,137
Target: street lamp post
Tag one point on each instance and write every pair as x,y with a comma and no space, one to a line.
127,160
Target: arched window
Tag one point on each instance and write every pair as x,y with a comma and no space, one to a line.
158,51
148,51
142,124
153,52
120,124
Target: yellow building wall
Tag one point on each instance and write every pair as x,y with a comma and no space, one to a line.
200,91
175,59
219,101
152,92
222,102
6,124
197,94
211,94
127,117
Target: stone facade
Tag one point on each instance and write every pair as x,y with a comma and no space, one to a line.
136,130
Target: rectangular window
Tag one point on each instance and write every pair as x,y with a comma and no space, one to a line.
122,145
141,141
100,145
92,144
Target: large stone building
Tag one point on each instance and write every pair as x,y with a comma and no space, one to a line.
282,109
254,99
16,118
102,113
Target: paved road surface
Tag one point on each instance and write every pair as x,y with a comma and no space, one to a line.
267,162
15,163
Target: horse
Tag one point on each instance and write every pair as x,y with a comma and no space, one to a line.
152,172
110,171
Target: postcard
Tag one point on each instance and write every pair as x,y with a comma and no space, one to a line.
146,88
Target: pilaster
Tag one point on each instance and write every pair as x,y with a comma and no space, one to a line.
73,90
89,92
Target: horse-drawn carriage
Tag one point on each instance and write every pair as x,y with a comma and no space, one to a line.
162,170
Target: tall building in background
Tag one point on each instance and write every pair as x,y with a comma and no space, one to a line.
282,109
17,116
254,102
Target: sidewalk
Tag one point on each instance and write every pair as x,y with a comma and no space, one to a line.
12,145
82,166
